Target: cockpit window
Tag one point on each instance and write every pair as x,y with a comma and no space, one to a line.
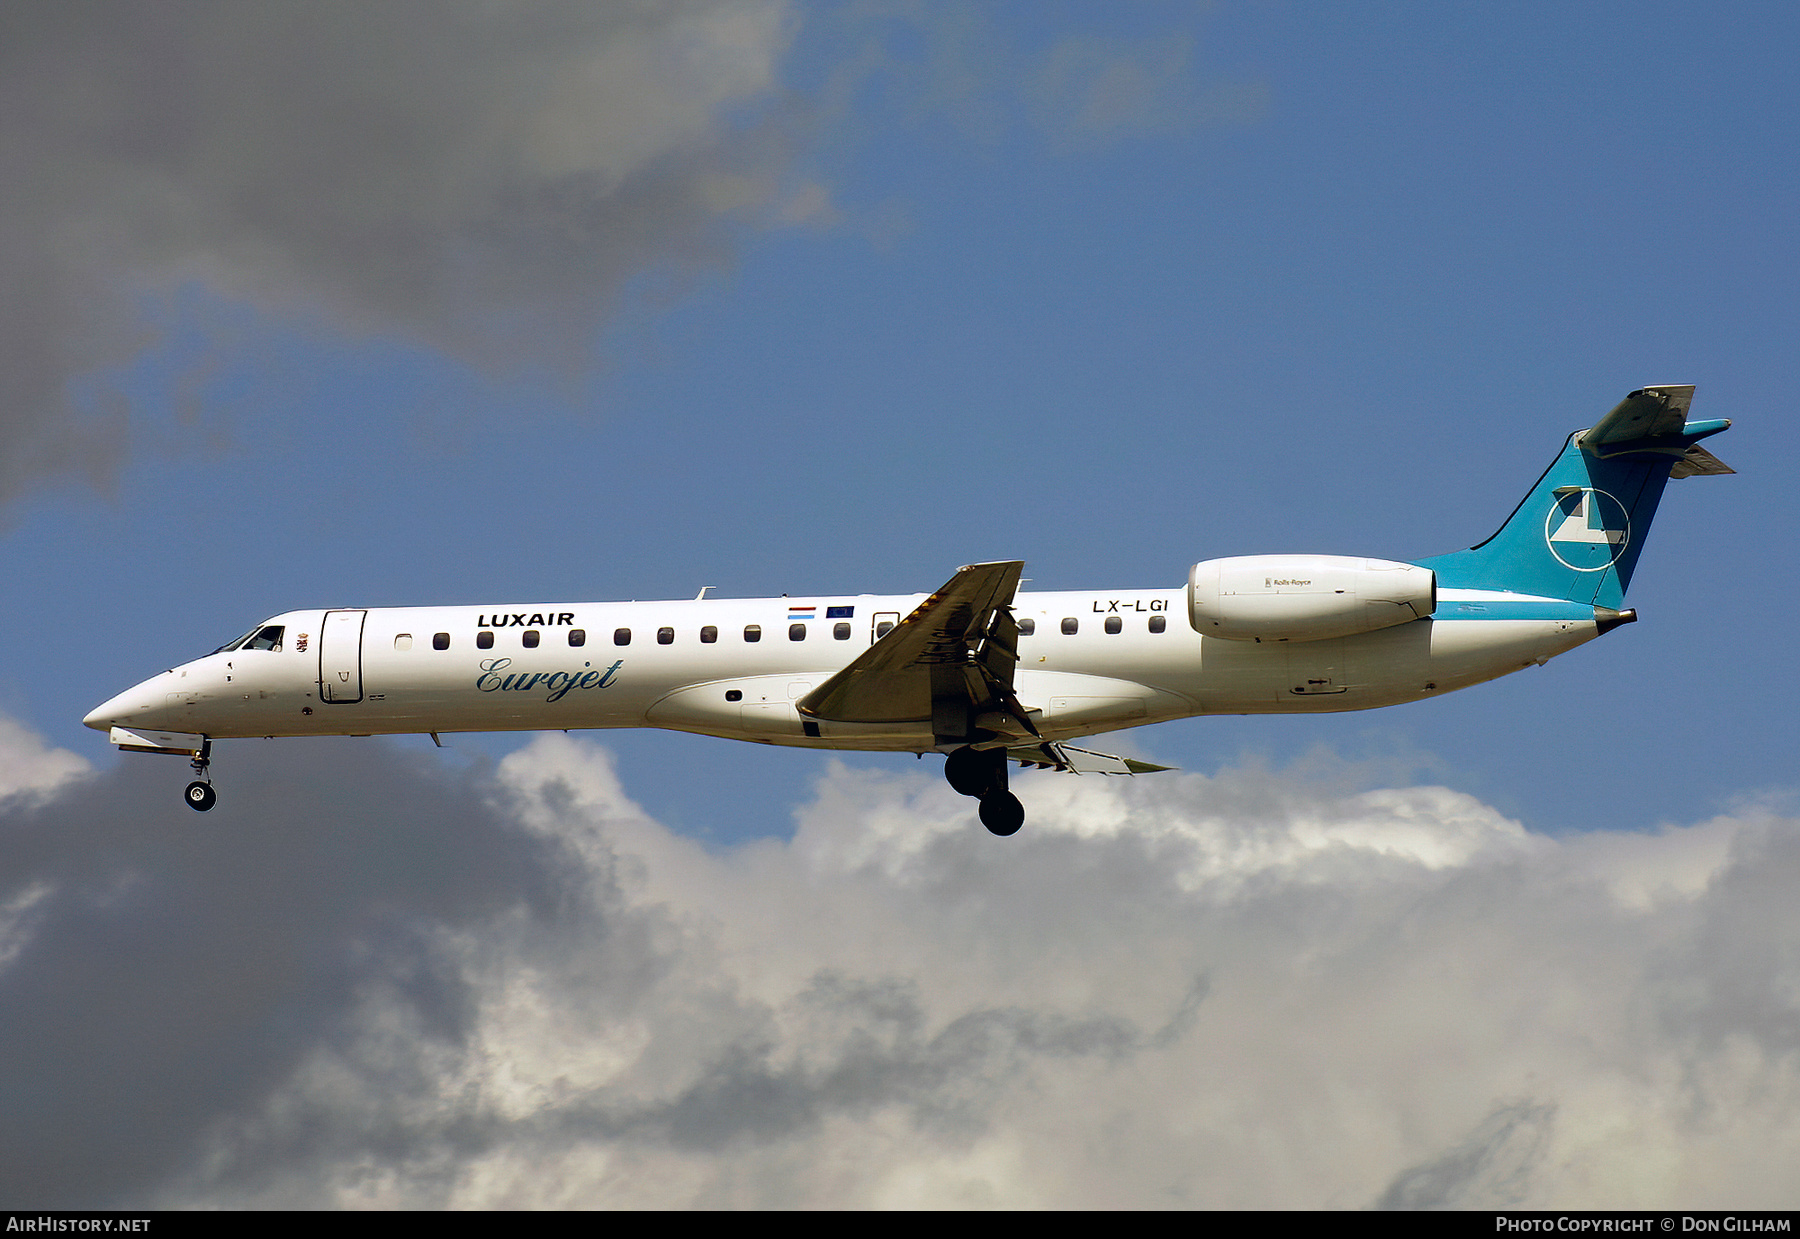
262,637
268,638
232,645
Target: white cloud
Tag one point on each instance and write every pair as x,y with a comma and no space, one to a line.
1171,991
30,767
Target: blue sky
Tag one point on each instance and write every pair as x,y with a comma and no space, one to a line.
1111,289
352,304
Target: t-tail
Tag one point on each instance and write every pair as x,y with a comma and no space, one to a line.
1577,535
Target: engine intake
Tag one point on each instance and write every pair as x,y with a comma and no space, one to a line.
1305,597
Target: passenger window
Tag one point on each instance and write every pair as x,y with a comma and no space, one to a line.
665,636
708,635
796,632
1071,626
1027,627
883,629
734,694
266,638
1158,623
840,632
621,636
484,640
530,638
1113,625
577,636
441,641
753,632
403,641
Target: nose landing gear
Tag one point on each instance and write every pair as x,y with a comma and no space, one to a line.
200,795
982,773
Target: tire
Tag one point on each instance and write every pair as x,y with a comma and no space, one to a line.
1002,813
200,796
976,772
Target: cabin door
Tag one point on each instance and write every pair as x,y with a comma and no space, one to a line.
340,657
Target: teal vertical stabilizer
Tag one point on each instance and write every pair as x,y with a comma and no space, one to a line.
1577,535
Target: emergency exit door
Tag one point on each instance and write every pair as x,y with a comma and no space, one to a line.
340,657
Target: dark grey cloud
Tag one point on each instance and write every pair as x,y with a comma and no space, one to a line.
483,177
178,968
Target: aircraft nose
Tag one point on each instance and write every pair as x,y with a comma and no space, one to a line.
101,717
119,711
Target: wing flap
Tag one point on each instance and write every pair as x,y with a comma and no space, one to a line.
1071,760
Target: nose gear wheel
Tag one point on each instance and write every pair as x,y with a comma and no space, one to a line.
200,795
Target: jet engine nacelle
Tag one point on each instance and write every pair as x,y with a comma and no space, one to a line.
1305,597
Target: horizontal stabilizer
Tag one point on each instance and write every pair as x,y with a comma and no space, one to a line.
176,743
1698,462
1071,760
1648,413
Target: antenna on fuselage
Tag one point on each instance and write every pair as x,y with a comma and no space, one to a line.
702,593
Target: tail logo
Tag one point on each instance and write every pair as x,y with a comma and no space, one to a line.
1586,529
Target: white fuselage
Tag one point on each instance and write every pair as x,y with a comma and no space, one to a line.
645,664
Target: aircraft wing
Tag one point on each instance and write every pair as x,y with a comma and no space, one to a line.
950,661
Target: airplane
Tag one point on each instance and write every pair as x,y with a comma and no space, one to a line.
977,671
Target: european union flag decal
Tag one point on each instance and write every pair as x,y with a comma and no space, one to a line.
839,612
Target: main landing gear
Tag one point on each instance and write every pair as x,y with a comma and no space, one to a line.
200,795
982,773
